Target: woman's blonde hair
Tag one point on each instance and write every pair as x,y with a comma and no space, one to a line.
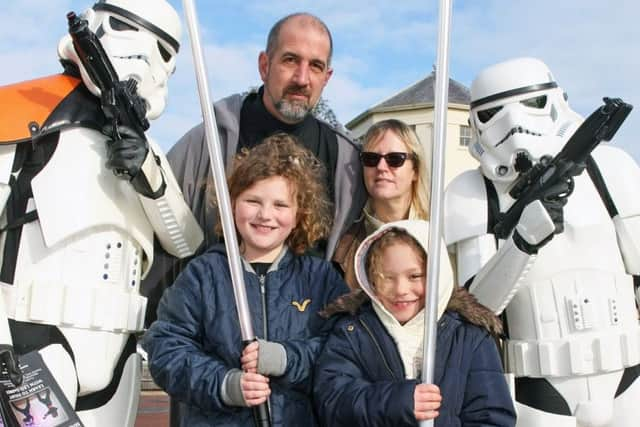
282,155
373,260
421,186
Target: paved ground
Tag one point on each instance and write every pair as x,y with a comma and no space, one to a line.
153,410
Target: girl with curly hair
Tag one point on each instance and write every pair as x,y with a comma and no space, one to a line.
281,210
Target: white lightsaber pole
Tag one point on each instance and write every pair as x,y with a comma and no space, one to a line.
437,190
261,417
219,178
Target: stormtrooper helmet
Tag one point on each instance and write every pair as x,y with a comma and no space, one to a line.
141,39
517,111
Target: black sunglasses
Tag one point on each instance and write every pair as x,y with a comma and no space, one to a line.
394,160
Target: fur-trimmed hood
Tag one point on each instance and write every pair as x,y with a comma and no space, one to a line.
461,302
450,297
419,230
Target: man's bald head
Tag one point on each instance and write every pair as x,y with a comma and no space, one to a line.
302,19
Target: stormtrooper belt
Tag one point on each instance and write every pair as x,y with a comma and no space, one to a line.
77,307
585,355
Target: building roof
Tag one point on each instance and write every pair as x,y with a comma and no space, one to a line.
420,93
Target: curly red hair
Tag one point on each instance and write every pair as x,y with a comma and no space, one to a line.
282,155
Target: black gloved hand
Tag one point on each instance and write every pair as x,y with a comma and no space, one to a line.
554,200
9,362
125,155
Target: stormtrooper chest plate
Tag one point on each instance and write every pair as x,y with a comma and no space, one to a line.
575,312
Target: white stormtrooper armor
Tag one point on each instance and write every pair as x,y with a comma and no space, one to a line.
570,309
79,263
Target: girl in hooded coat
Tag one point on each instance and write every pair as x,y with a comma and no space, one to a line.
369,371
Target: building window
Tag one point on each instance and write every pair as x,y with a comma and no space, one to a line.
465,135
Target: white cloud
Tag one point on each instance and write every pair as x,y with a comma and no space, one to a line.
590,46
24,21
233,67
29,34
230,69
348,98
25,64
381,47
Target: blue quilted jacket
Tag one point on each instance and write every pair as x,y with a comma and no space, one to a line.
360,379
196,339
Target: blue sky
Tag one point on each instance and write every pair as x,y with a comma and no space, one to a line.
381,47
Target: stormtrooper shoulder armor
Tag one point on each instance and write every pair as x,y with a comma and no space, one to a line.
465,207
620,173
27,108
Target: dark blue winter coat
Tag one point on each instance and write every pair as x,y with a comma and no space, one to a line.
360,379
196,339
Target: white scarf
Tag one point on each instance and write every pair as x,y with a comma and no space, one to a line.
408,337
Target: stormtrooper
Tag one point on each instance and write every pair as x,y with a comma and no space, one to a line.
77,237
564,278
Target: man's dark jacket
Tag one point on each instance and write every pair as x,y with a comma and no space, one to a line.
189,160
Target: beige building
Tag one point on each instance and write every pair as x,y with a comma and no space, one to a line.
414,106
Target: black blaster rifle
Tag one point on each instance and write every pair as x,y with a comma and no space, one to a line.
601,125
120,102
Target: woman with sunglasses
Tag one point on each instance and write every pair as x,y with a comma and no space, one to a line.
396,178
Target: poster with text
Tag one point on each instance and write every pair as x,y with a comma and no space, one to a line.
39,401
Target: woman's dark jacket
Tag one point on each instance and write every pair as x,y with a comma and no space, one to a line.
346,251
196,339
360,379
